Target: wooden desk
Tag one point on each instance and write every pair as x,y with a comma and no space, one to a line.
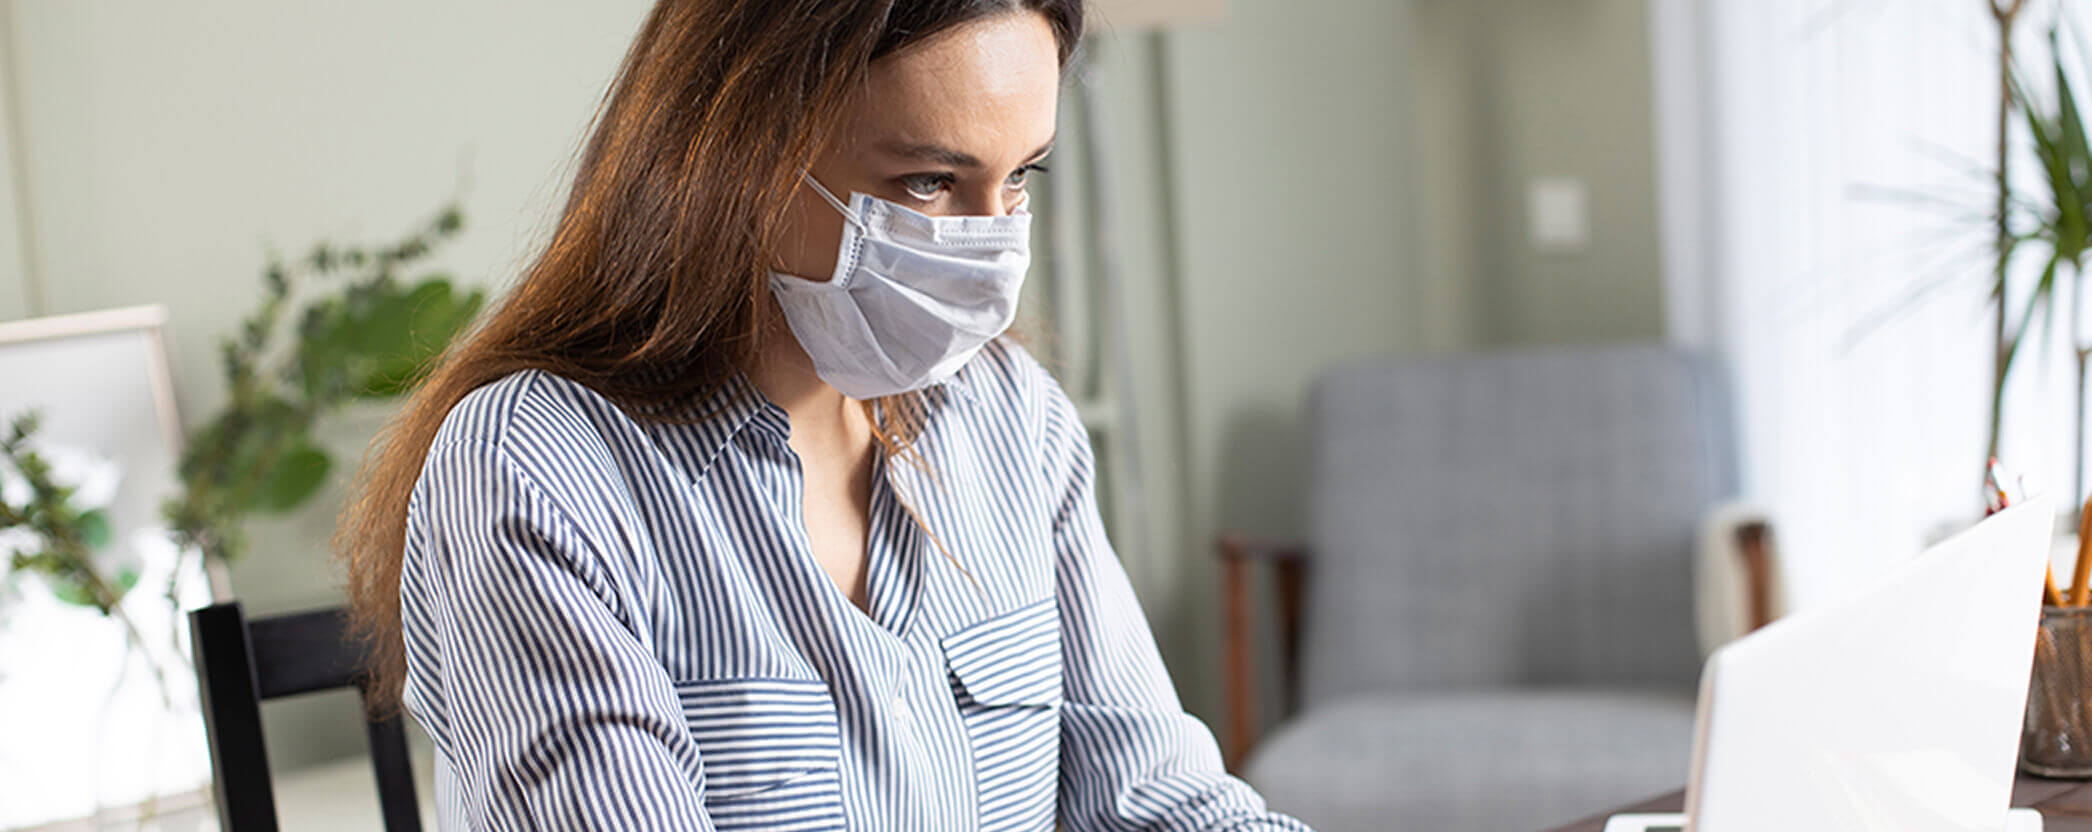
2066,805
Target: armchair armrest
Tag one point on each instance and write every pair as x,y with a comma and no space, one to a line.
1740,585
1289,564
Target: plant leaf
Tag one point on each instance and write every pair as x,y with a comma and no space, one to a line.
296,475
435,314
394,378
2043,292
71,591
2069,175
94,529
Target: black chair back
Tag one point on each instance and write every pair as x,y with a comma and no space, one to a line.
239,663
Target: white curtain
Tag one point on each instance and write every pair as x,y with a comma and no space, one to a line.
1825,199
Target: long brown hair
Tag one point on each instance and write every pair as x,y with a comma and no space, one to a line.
649,290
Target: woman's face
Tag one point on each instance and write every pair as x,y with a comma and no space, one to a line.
952,126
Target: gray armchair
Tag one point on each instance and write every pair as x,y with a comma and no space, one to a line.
1493,618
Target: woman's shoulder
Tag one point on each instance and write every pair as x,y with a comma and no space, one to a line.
529,408
557,433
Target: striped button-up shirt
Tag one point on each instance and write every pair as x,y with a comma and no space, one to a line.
618,624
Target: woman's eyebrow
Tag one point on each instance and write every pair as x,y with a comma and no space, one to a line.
946,156
931,153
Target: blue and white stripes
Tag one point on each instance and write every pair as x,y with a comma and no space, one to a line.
618,625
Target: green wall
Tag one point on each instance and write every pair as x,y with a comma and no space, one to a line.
1511,90
15,284
1289,243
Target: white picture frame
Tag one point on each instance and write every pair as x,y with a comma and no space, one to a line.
92,729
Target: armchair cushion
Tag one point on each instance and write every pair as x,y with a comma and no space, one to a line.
1512,519
1481,760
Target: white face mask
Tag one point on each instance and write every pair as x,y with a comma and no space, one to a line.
913,298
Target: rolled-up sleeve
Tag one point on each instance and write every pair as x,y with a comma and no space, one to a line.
1131,757
553,713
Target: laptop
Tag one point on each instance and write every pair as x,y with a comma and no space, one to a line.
1898,708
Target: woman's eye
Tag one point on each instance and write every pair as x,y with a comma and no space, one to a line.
926,186
1019,176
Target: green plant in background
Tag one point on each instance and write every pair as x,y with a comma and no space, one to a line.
44,531
2059,225
2005,342
339,325
65,536
372,338
2055,223
2059,221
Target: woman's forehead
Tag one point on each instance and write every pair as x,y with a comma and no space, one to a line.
988,89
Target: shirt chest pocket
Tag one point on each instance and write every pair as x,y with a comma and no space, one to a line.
770,751
1006,676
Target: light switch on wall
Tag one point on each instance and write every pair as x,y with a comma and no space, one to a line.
1558,213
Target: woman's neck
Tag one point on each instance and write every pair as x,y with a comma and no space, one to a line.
821,416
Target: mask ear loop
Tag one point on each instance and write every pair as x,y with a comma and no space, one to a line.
830,196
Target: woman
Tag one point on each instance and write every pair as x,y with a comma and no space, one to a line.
736,515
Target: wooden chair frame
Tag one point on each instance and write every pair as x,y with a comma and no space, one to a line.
240,663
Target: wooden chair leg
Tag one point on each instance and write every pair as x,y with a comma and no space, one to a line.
394,772
1753,540
232,723
1238,663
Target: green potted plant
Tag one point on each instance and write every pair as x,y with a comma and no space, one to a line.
372,338
335,326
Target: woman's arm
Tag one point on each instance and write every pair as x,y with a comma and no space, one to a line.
524,668
1131,758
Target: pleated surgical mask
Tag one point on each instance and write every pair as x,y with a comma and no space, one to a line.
914,297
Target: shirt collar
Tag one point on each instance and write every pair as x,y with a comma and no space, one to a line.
737,405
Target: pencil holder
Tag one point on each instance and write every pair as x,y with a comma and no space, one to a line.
2057,739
